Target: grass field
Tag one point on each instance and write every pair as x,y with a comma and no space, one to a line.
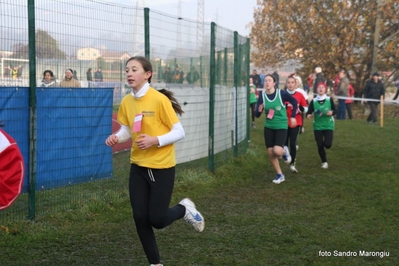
316,217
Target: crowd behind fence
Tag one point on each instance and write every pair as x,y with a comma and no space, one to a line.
209,77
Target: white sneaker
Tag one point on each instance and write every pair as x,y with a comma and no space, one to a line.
193,216
324,165
286,155
297,147
279,179
293,169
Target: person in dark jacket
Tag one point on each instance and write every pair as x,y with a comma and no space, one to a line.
98,75
397,91
192,76
342,91
255,78
372,93
89,75
319,78
277,77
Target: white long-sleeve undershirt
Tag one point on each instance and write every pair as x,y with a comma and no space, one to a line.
175,134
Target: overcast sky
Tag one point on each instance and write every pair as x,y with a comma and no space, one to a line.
231,14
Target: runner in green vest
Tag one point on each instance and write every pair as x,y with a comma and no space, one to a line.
323,125
276,122
252,101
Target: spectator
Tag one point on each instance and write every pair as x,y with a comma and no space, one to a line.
75,75
255,78
309,84
192,76
342,92
372,93
89,75
397,90
48,79
178,75
319,78
336,83
349,101
7,71
98,75
262,79
277,77
69,81
16,72
167,75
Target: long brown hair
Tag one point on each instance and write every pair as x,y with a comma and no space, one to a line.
175,104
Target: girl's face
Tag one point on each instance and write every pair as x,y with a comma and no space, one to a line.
321,90
269,82
291,84
135,74
47,76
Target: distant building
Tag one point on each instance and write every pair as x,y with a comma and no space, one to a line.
5,54
91,54
111,56
88,53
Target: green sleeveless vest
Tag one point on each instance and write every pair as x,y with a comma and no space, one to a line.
279,119
322,122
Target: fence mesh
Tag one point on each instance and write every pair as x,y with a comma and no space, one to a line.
94,39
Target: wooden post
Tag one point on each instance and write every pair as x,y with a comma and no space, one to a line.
382,111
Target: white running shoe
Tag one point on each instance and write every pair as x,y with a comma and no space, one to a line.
193,216
324,165
279,179
293,169
286,155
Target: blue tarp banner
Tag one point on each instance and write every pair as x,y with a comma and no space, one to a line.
71,127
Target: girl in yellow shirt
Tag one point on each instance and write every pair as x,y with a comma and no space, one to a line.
149,117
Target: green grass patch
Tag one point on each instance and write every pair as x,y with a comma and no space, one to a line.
353,206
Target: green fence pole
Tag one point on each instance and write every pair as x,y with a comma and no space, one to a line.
247,68
191,72
147,32
211,161
32,111
120,71
160,77
225,67
201,72
236,84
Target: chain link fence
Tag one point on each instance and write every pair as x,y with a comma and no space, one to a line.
207,71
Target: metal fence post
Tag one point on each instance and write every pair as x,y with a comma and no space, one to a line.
211,155
236,81
32,111
147,32
247,63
